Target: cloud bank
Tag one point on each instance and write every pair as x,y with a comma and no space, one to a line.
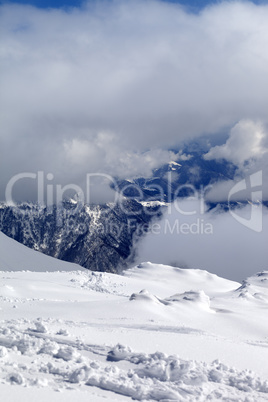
111,86
216,242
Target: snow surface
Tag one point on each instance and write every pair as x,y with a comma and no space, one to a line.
14,256
173,165
154,333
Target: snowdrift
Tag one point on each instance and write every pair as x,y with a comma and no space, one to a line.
154,333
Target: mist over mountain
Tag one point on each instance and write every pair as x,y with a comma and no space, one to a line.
112,87
172,217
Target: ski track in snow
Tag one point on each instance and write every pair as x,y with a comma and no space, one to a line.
81,335
32,356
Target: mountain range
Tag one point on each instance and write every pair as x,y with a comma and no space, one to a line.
104,237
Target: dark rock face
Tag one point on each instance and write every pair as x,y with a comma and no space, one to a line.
180,179
98,237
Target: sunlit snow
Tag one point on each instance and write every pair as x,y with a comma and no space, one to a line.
154,333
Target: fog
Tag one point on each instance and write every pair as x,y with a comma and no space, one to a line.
187,237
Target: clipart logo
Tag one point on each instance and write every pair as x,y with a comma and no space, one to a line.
255,221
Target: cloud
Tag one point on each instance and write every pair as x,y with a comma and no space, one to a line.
246,142
106,152
111,86
246,147
213,241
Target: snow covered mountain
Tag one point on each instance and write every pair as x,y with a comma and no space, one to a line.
154,333
97,237
101,237
165,181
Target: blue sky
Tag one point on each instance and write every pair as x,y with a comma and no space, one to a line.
192,4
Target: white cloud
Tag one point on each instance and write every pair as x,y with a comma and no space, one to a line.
246,142
106,153
216,242
247,147
148,73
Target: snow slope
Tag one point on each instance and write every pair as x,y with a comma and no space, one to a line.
16,257
155,333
